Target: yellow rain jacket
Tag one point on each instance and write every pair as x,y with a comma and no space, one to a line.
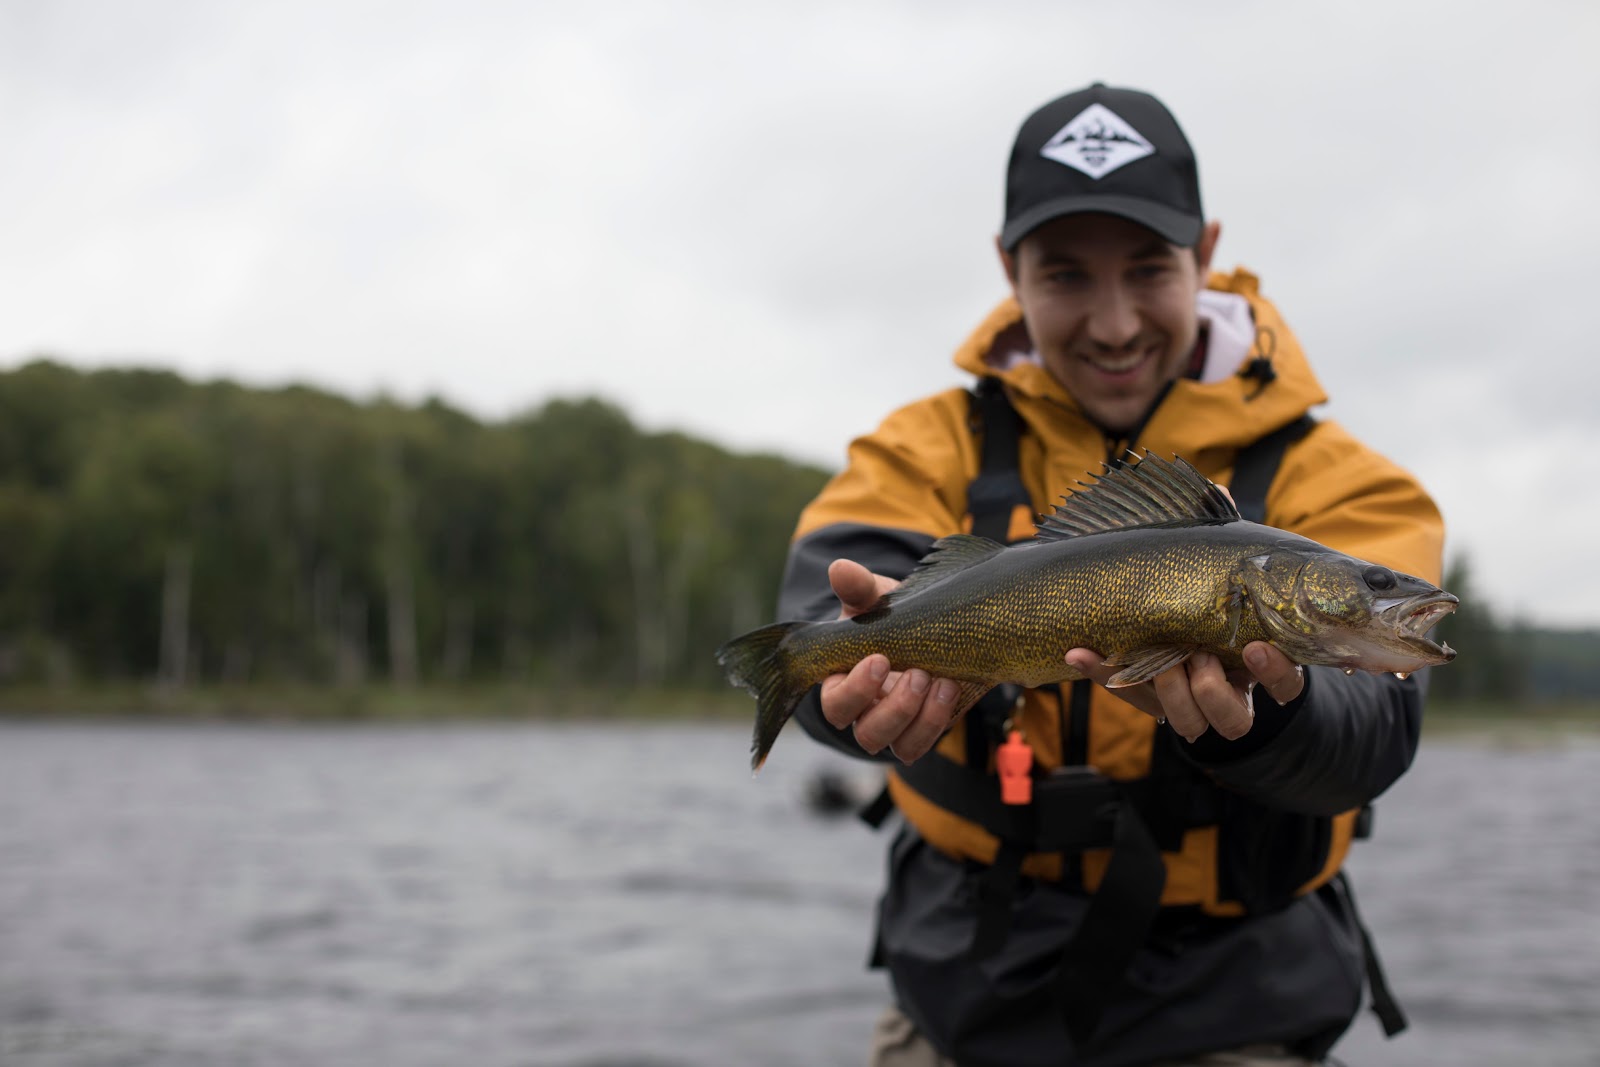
906,485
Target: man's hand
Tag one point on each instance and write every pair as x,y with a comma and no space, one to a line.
907,712
1199,695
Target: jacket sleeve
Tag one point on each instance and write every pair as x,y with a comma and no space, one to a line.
903,488
1346,738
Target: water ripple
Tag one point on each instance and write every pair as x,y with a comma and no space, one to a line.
535,896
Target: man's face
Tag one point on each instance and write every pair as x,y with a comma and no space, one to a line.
1110,306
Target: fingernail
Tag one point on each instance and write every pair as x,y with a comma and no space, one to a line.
946,692
1255,658
918,681
880,669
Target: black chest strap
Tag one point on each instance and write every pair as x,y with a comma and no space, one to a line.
992,498
1257,465
997,490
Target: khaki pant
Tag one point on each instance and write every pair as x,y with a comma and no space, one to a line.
896,1043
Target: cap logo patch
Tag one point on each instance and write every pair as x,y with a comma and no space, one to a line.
1097,142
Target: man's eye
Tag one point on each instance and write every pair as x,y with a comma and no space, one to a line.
1149,272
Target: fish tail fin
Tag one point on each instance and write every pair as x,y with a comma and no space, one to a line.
755,662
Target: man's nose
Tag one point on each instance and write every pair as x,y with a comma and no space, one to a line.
1113,322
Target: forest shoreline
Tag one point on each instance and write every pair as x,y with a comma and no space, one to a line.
263,702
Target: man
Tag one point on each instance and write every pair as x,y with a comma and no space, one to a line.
1172,894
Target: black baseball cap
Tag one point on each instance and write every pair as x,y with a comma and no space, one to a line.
1117,151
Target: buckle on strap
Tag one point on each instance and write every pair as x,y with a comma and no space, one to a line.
1075,808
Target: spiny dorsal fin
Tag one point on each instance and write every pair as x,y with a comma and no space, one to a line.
1148,491
947,556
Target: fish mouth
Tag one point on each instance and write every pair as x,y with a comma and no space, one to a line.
1413,616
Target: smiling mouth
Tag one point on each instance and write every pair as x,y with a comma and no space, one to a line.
1118,364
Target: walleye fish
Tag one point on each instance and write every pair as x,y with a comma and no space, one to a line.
1148,565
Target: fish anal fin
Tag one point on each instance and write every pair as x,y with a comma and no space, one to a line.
968,694
1143,664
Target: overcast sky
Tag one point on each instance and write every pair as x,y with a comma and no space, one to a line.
771,224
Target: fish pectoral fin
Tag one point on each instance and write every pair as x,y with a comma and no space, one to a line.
1231,604
1143,664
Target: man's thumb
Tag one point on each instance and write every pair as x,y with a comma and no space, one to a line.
853,584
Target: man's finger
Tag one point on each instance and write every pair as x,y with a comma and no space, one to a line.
852,583
1222,703
857,588
1085,660
880,725
938,708
845,696
1279,675
1181,711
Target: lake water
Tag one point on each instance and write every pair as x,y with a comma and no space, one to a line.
612,895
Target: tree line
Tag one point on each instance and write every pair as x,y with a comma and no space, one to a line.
1507,660
154,528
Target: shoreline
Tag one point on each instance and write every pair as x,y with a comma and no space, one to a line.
497,702
369,703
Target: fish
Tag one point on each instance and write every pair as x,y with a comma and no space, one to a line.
1148,564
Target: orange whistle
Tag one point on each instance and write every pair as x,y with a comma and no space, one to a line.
1014,760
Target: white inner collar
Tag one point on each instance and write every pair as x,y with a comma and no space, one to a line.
1230,327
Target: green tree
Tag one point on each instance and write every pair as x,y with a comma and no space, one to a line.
1487,665
156,528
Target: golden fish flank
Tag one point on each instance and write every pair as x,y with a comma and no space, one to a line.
1148,565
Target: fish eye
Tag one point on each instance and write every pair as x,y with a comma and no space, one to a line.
1379,579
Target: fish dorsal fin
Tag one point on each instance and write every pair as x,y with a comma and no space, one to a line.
947,556
1139,493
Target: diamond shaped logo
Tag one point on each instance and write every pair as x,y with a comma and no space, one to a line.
1097,142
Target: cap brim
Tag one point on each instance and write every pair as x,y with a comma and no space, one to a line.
1171,224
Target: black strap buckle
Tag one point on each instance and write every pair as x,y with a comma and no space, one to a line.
1075,808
